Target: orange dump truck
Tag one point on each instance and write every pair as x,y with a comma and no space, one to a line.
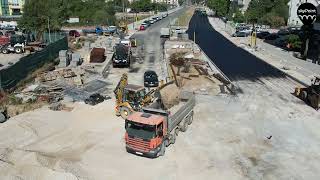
149,132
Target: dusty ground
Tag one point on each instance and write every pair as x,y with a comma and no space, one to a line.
262,133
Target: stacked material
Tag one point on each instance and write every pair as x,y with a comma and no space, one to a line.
97,55
76,60
64,60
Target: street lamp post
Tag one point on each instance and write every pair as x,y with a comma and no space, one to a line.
49,29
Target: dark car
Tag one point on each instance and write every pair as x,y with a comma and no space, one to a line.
239,34
151,79
95,99
272,36
74,33
262,34
283,32
147,22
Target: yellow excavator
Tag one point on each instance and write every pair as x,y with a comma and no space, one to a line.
310,94
123,26
130,97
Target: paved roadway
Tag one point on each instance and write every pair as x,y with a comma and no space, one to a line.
235,62
149,53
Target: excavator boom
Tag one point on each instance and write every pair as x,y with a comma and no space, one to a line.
119,90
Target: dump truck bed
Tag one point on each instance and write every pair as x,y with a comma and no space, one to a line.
181,111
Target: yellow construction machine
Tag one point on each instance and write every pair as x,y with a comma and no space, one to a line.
123,26
130,97
310,94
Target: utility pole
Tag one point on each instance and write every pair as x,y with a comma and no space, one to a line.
49,29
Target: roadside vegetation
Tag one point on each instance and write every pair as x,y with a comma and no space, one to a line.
185,18
38,15
268,12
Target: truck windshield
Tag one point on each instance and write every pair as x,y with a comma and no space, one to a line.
140,130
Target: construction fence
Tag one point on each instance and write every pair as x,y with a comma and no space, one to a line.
11,76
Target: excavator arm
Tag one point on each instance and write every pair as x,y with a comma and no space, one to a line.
119,90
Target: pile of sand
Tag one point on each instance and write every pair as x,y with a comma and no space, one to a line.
170,95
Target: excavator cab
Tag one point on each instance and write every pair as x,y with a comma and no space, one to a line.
315,84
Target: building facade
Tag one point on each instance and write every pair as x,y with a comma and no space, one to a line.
11,7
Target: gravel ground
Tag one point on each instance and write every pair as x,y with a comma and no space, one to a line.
262,133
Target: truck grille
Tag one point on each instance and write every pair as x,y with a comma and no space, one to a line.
138,144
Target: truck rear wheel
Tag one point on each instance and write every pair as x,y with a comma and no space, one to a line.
190,118
125,112
184,125
173,138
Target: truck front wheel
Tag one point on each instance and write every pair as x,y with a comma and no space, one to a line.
162,150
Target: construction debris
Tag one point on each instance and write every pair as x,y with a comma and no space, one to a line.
97,55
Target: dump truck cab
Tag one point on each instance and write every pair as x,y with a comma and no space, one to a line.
145,133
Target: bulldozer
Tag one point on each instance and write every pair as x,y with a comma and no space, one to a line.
310,94
130,97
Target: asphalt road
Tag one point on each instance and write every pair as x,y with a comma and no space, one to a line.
234,61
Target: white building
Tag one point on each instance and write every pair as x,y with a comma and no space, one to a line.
293,19
172,2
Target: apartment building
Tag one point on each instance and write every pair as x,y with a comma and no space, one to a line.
11,7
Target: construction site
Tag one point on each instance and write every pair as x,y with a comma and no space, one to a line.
129,105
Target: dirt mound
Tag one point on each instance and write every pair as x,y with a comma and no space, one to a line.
170,95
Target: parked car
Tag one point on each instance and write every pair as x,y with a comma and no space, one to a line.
151,79
147,22
74,33
283,32
156,19
224,19
281,41
152,21
240,34
272,36
143,27
262,34
95,99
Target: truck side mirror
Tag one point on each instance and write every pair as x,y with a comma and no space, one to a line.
160,133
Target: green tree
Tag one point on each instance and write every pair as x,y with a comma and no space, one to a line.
221,7
38,14
271,12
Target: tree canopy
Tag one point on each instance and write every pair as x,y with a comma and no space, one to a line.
147,5
37,13
221,7
271,12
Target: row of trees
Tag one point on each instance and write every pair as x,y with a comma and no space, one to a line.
271,12
38,15
147,5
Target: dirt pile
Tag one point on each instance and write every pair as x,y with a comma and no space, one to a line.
170,95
